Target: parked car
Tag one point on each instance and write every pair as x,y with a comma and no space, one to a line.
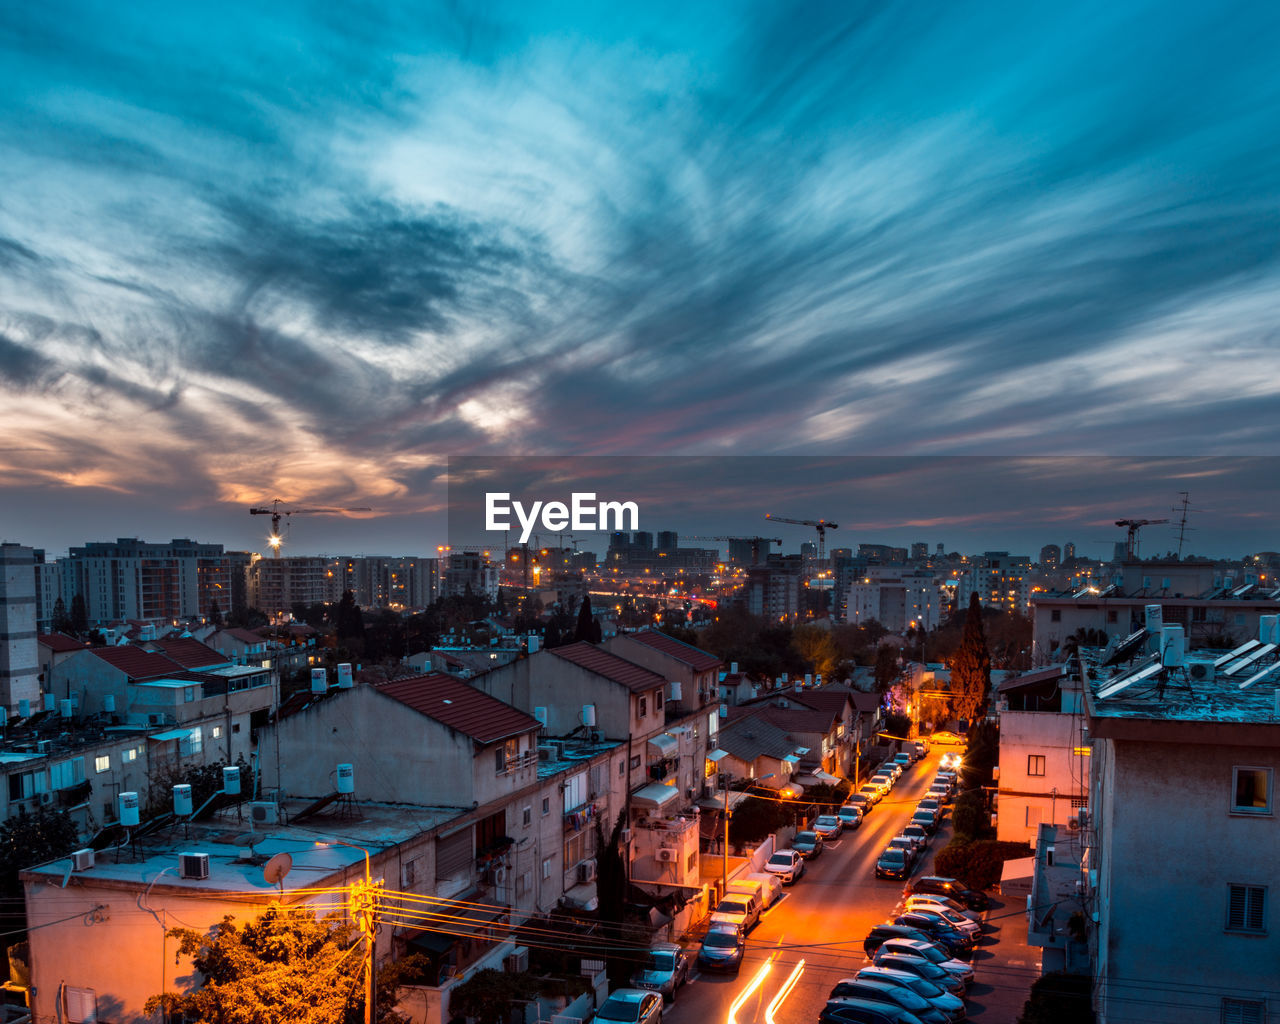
873,792
904,759
808,844
936,996
786,864
665,971
884,780
862,801
957,890
828,826
884,992
920,946
962,924
851,814
908,846
941,792
918,832
722,949
930,803
889,932
919,750
768,886
630,1006
927,820
943,902
864,1011
938,932
922,968
952,759
740,908
893,863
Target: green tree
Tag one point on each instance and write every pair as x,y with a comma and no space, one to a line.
215,614
79,615
587,629
61,620
886,667
27,840
349,621
1059,998
971,668
285,966
489,996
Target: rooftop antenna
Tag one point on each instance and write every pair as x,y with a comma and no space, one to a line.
1184,507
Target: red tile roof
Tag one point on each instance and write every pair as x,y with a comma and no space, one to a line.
696,659
610,666
244,636
191,653
459,706
137,663
60,642
795,719
833,700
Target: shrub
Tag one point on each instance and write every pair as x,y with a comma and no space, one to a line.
1059,998
977,863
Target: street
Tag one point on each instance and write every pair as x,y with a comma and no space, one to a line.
822,921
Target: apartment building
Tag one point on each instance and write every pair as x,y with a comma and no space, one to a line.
1181,870
897,597
19,664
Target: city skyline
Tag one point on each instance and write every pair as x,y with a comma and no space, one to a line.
312,255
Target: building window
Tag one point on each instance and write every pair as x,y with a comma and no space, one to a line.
1035,764
129,755
102,763
189,694
644,706
622,767
1243,1011
546,805
1252,789
1055,615
546,867
1247,908
1111,616
217,732
527,817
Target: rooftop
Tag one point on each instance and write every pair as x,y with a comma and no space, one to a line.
191,653
137,663
461,707
60,642
610,666
696,658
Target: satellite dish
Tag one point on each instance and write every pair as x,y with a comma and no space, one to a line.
249,839
276,869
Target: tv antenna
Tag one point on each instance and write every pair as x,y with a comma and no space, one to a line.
1183,507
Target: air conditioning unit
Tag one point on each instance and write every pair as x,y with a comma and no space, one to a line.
625,836
667,855
587,871
1082,817
517,962
155,719
82,860
44,746
708,791
46,798
193,865
1200,671
1073,823
264,812
499,875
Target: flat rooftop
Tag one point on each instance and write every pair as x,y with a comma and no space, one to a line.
236,866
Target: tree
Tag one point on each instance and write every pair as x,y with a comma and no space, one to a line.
489,996
215,614
285,966
971,668
26,840
349,622
79,615
587,629
61,620
886,667
1058,998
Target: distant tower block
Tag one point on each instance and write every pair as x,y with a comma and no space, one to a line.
19,654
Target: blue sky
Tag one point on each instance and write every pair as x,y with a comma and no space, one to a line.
314,250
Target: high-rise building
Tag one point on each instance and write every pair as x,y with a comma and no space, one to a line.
643,540
668,540
919,551
1000,579
133,579
277,584
19,655
1068,552
1050,556
48,591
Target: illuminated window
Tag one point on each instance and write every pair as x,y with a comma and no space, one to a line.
1035,764
102,763
1252,789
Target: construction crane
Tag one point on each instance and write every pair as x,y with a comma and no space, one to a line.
756,543
821,525
1134,525
277,513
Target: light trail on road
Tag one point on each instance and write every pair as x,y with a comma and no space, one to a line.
783,992
745,994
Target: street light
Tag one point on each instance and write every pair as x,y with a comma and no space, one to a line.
367,908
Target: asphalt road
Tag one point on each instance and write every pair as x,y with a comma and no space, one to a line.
822,920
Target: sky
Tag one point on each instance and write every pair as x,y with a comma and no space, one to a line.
313,251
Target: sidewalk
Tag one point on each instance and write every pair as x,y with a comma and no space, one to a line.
1004,965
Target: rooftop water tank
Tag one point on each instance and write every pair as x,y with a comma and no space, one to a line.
319,680
129,809
182,800
231,780
345,682
346,778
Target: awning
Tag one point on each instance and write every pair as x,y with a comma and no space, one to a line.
654,795
791,759
717,754
817,778
1016,876
172,734
432,942
666,745
716,802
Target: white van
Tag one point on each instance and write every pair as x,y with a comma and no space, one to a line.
767,887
